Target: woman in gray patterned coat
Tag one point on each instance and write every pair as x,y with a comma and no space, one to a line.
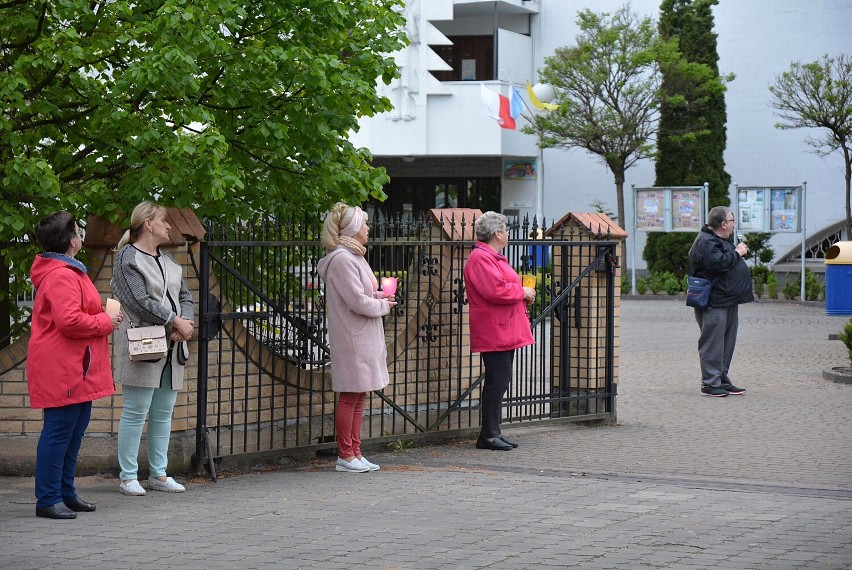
149,284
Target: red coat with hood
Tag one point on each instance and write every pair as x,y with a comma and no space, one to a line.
498,317
68,357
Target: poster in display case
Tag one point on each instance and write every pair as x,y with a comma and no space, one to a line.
784,210
769,209
751,203
686,209
650,210
672,209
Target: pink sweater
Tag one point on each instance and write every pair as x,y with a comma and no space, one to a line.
498,319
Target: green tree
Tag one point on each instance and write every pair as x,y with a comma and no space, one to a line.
607,87
818,95
692,133
235,108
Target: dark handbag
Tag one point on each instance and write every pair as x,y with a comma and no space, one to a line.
698,291
182,352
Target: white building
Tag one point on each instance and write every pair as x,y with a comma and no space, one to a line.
441,148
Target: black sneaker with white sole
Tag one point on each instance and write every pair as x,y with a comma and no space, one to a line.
714,391
733,390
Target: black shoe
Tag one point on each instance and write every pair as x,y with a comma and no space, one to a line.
79,505
504,440
733,390
57,511
714,391
496,445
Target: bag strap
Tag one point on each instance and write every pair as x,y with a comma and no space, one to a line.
165,291
691,272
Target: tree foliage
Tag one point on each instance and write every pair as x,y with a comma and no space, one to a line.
233,108
692,134
668,252
607,87
818,95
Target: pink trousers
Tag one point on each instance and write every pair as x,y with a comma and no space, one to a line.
347,423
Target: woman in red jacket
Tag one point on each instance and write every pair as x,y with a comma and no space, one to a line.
68,362
498,321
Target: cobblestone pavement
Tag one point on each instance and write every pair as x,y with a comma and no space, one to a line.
683,481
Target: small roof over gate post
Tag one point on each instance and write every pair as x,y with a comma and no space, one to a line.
593,222
456,223
185,228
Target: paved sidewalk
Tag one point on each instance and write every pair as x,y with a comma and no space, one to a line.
683,481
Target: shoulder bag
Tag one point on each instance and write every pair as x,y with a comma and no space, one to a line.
698,291
148,343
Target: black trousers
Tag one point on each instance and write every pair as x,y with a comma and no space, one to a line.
498,376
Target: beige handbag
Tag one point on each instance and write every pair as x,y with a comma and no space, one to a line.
147,343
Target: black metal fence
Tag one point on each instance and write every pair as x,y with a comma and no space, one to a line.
264,379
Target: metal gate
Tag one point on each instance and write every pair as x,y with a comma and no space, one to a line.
264,380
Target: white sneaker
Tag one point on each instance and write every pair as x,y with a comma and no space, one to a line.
353,466
169,485
131,487
369,465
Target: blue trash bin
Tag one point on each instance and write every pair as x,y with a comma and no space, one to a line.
539,256
838,279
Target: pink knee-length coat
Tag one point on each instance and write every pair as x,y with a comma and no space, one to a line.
355,329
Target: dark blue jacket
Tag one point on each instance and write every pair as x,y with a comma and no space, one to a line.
712,257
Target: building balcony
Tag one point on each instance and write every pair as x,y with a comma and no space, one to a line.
452,124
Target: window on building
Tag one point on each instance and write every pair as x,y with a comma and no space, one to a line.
471,57
410,198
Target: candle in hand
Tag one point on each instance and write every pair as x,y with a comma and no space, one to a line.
389,286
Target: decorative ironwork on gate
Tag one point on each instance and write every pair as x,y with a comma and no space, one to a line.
264,376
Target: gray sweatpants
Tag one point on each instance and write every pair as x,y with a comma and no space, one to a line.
716,343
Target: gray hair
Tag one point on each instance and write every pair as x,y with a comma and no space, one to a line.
718,215
488,224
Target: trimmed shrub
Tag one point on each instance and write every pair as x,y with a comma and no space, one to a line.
672,285
656,282
791,287
813,287
772,286
846,338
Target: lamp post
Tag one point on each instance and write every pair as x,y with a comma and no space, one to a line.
543,95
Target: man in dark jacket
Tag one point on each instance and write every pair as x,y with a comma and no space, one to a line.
713,256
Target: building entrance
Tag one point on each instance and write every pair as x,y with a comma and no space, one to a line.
410,198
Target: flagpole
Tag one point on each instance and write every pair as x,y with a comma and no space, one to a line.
539,179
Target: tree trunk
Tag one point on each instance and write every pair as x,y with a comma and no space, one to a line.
618,174
5,302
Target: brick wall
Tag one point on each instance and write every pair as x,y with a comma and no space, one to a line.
20,425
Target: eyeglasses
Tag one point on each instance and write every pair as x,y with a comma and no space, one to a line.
731,221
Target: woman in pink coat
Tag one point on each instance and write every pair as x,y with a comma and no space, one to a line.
68,362
498,321
356,333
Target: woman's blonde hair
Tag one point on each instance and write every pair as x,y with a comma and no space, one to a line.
146,210
338,217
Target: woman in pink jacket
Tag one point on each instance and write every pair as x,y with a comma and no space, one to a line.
68,362
356,333
498,321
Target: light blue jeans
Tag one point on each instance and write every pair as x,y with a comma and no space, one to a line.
138,402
